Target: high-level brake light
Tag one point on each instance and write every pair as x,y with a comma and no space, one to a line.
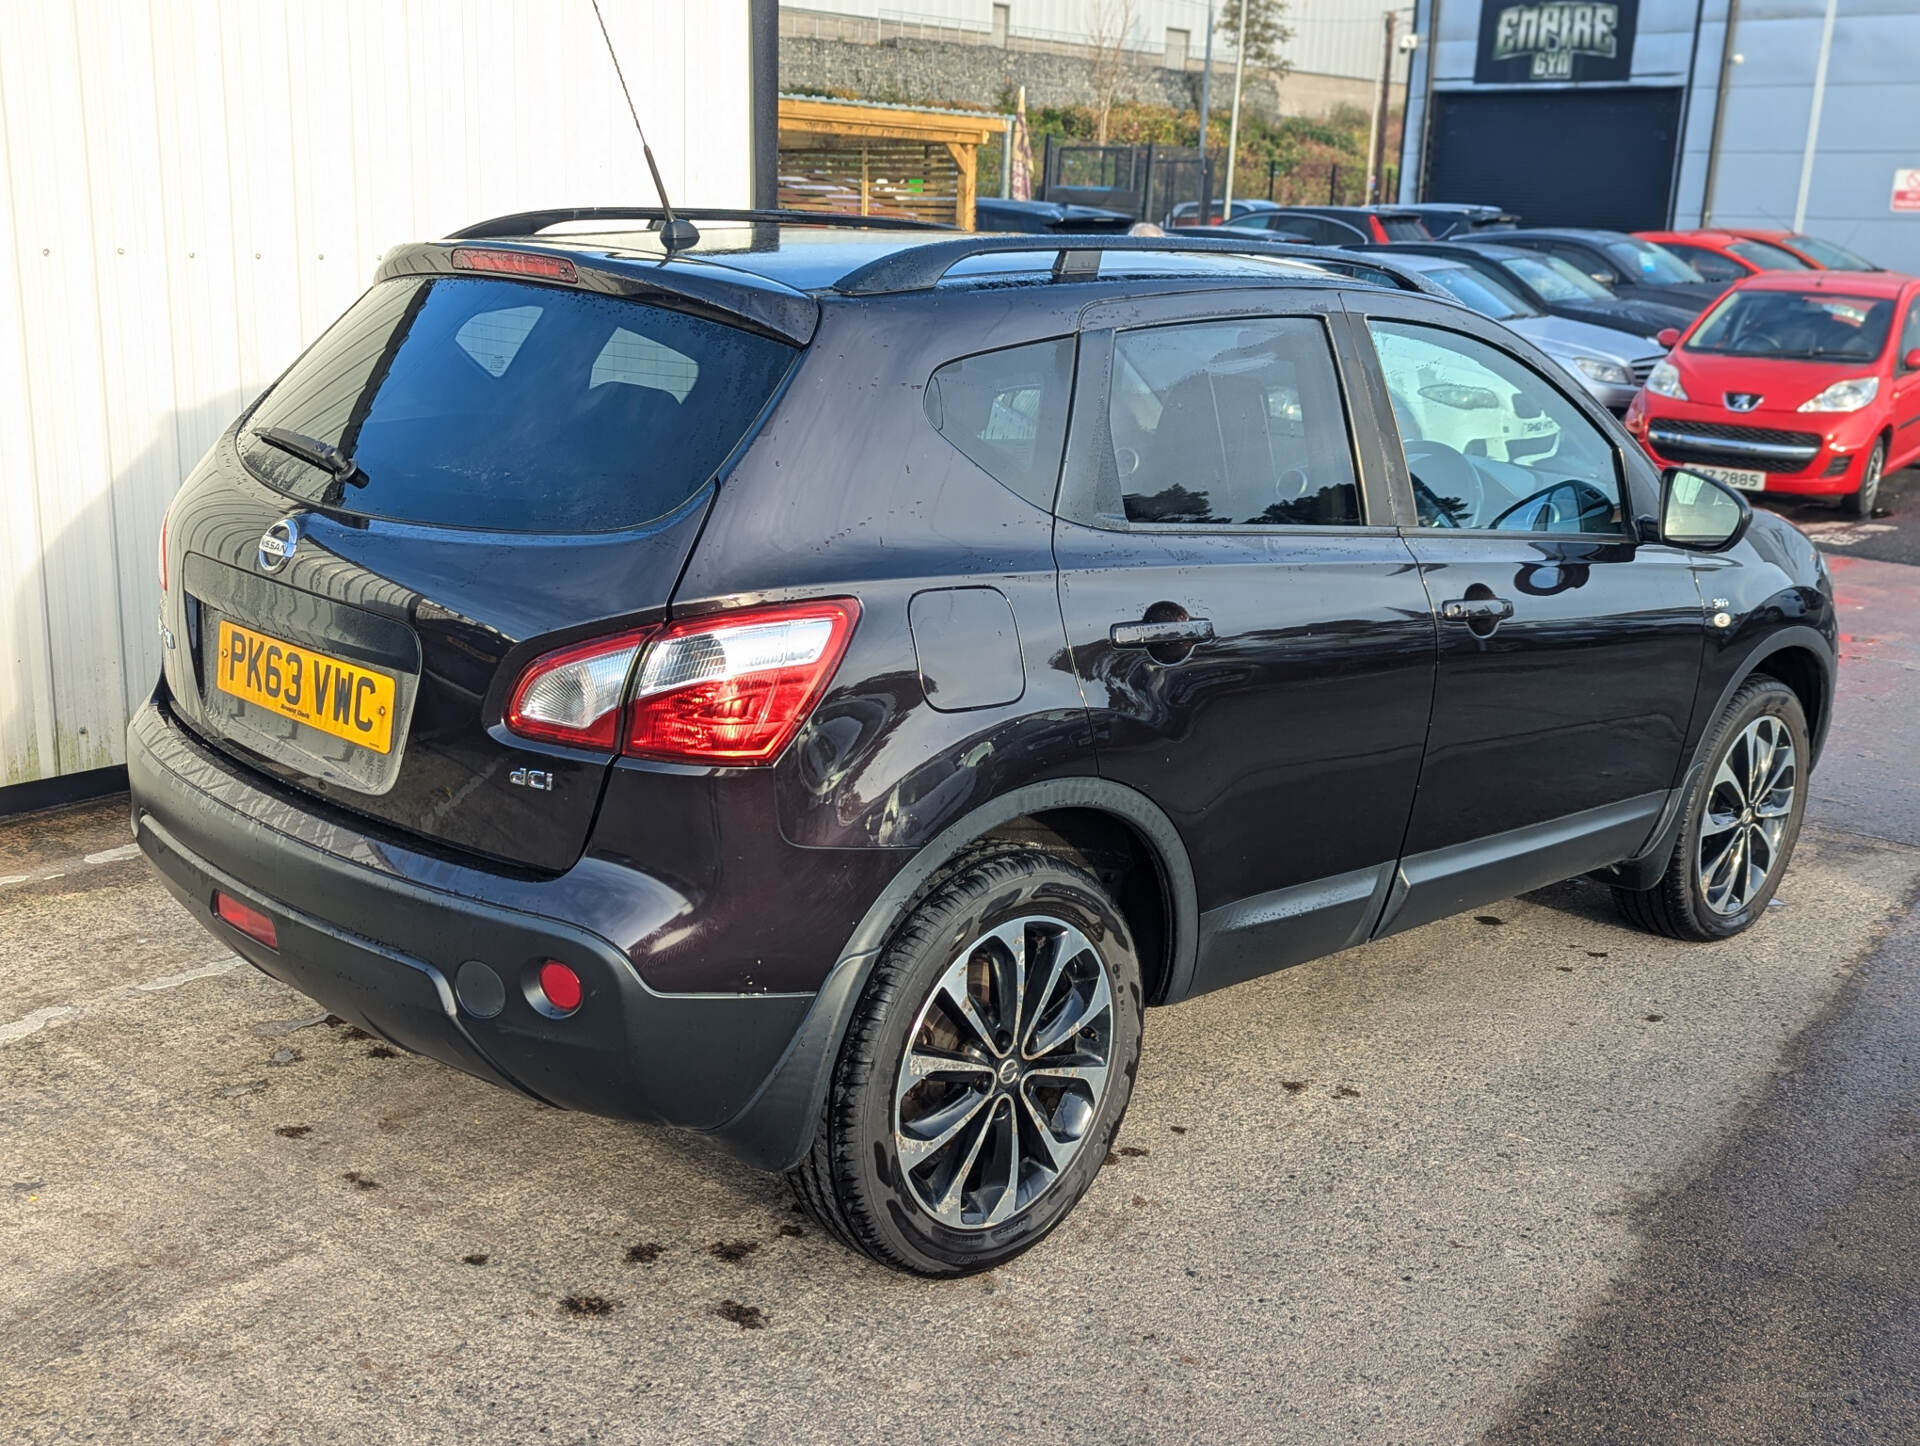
514,263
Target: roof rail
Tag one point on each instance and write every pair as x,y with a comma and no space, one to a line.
531,223
1077,258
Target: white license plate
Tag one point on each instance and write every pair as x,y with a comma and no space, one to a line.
1734,477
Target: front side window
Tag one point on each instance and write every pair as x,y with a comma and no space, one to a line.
1007,411
1910,337
1489,442
1232,423
1712,266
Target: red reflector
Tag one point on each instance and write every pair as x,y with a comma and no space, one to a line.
561,986
247,919
514,263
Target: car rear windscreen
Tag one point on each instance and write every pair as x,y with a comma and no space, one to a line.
1405,228
513,406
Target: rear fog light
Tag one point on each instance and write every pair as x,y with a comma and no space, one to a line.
247,919
560,987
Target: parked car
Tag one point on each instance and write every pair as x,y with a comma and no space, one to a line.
1818,253
1624,264
1723,256
817,695
997,213
1342,225
1187,213
1549,284
1822,372
1610,364
1444,218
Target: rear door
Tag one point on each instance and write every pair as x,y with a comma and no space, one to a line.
1250,633
1570,650
531,464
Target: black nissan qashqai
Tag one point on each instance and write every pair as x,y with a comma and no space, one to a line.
816,686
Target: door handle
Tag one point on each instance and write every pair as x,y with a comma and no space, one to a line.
1156,634
1476,609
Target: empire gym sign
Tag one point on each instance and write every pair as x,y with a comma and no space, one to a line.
1555,40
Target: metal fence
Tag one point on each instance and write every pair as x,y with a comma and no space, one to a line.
1147,182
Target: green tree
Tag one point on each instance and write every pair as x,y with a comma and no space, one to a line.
1267,30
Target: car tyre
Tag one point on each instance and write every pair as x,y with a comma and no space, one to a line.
1051,1045
1743,814
1862,502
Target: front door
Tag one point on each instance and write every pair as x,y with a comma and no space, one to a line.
1250,633
1906,391
1570,649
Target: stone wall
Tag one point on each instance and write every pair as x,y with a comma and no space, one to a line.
932,72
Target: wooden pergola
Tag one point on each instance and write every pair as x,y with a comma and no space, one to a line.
888,160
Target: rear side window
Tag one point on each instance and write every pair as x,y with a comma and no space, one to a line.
504,405
1007,410
1231,423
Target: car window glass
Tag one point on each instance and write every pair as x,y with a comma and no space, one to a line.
1554,279
1231,422
1489,442
1482,293
1650,265
1589,263
1910,337
1709,265
467,401
492,338
1795,326
1405,228
1007,411
1767,258
1827,254
640,361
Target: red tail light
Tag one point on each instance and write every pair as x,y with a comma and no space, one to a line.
247,919
1379,230
735,687
561,986
514,263
574,695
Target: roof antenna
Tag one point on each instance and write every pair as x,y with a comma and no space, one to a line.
676,233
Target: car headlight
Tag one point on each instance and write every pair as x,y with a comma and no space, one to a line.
1848,396
1664,381
1611,373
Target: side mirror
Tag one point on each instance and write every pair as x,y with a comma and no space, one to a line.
1699,513
1605,278
1667,335
1911,361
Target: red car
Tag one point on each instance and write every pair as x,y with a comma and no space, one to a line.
1799,382
1817,253
1725,255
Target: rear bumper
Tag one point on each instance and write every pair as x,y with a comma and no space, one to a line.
385,951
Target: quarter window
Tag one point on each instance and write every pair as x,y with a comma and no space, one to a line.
1489,442
1231,423
1007,411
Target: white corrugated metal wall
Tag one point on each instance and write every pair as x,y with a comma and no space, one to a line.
191,189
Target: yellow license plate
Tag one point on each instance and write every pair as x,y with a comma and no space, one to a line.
343,699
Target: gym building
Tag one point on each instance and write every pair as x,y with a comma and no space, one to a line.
1650,114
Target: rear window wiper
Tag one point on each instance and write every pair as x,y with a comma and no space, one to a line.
324,455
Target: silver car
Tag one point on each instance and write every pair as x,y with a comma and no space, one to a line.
1610,364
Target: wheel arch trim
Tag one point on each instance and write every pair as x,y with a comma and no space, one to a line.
774,1130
